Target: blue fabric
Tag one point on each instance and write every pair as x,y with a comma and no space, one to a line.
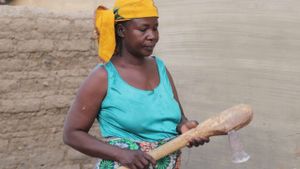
142,115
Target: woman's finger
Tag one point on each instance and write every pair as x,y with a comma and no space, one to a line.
133,167
189,145
197,142
139,165
144,161
192,124
150,159
206,140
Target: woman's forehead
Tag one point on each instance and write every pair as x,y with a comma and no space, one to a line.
144,21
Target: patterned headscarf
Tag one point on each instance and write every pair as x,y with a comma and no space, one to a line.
123,10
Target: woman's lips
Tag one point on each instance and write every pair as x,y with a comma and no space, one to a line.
150,48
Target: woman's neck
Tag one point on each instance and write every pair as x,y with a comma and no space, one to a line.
129,59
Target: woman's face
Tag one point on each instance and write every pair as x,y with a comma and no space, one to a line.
141,36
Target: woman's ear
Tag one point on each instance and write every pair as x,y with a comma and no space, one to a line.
120,30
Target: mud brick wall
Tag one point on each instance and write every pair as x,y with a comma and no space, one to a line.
220,53
43,59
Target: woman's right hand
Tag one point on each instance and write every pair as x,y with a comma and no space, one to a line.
135,159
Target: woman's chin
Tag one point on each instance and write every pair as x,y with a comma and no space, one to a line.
147,52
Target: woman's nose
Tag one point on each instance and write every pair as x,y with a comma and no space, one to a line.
152,35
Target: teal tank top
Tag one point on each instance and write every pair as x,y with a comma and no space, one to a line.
142,115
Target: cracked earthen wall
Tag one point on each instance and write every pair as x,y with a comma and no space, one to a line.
44,57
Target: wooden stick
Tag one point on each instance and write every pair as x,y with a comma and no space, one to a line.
233,118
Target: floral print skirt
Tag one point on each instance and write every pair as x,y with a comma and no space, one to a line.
171,161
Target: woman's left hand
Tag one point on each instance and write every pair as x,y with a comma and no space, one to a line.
186,126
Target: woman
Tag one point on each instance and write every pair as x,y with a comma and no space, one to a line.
132,95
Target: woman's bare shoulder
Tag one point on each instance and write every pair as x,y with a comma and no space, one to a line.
99,73
96,82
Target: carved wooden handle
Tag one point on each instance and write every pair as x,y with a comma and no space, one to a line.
233,118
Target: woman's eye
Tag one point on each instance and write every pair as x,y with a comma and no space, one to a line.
143,30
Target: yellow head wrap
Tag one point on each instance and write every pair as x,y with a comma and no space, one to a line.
123,10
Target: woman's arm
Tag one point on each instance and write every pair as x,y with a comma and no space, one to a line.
185,124
81,116
183,117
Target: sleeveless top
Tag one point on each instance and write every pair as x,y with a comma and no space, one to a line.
137,114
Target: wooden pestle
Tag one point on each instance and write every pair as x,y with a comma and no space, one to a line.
233,118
